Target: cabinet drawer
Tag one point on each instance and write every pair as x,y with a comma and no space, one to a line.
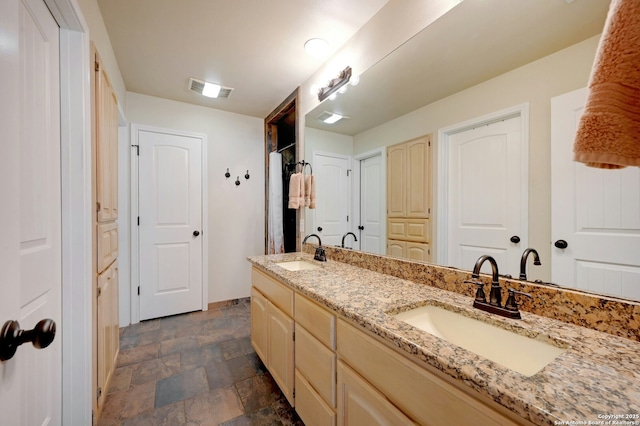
408,229
277,293
316,320
310,406
317,364
421,393
107,244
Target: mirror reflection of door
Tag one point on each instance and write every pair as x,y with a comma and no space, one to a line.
372,216
333,191
596,211
487,195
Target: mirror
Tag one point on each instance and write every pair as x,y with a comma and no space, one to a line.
480,57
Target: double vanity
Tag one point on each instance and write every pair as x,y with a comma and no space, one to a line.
351,344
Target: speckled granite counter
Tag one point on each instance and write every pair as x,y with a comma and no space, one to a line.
597,376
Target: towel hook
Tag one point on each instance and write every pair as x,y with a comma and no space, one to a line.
247,175
238,181
227,175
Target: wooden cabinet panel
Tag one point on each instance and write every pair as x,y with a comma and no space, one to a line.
316,320
408,229
396,248
310,406
280,350
259,323
417,251
361,404
317,364
421,392
396,181
107,244
106,148
108,331
417,203
277,293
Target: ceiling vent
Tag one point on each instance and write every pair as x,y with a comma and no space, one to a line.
330,117
197,86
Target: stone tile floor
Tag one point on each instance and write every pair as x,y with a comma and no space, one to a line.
194,369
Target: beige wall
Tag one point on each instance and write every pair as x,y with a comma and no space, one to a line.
236,213
535,83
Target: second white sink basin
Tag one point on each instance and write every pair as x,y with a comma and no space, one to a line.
519,353
298,265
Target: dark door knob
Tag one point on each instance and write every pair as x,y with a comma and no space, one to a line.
515,239
196,233
561,244
361,228
319,228
13,336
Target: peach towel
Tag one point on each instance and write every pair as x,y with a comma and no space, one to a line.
608,135
296,191
310,191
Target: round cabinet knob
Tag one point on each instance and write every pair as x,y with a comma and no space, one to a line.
561,244
515,239
319,228
13,336
196,233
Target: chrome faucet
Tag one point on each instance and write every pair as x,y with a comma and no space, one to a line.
494,306
345,236
523,261
320,253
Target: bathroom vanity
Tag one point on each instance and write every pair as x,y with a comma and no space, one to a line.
328,333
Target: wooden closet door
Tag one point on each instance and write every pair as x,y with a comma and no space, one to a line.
106,148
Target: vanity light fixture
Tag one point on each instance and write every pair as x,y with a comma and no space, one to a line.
334,84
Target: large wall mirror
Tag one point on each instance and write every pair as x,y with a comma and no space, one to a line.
481,58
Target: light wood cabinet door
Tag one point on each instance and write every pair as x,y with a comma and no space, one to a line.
418,193
280,350
107,244
108,332
396,248
106,148
310,406
361,404
417,251
396,181
259,323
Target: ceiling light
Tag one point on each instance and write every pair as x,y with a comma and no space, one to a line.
211,90
333,118
317,47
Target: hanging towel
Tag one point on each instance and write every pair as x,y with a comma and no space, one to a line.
310,191
275,231
296,191
608,135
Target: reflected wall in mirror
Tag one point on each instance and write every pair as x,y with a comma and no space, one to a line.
479,58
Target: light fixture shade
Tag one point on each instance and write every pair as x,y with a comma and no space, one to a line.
211,90
317,47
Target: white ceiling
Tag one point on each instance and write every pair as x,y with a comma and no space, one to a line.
255,47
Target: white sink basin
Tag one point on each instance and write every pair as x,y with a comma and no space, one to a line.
514,351
298,265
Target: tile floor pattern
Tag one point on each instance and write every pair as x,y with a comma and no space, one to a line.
194,369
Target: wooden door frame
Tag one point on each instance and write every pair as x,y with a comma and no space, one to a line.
269,123
134,231
357,183
442,202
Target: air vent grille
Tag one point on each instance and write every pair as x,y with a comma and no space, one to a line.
197,86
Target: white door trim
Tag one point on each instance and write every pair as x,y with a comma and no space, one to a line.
75,129
135,237
357,183
442,199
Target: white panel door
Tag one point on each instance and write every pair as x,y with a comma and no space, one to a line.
597,213
30,246
332,194
170,208
372,214
486,196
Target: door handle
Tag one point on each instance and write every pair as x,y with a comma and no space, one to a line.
361,228
13,336
319,228
196,233
515,239
561,244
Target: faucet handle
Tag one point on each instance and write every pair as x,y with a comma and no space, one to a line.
480,296
511,303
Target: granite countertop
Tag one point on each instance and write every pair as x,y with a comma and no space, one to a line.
596,378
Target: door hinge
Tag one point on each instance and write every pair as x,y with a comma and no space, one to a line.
93,418
294,336
138,290
138,220
348,172
294,392
99,292
137,147
98,206
97,66
99,392
347,218
429,210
